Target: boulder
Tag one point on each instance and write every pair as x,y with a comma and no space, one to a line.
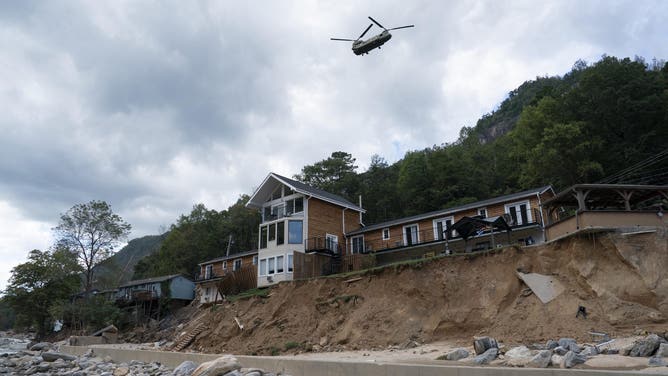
556,360
185,369
646,346
657,362
121,371
482,344
571,359
217,367
565,342
487,356
551,344
41,346
589,351
560,350
540,360
518,356
662,351
457,354
52,356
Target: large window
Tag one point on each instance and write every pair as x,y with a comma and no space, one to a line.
263,237
519,212
263,267
295,231
290,263
357,244
411,235
295,205
272,232
280,233
271,262
279,264
440,227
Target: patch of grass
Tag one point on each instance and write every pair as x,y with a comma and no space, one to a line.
262,293
292,345
273,351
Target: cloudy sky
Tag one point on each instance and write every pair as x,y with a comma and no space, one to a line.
154,106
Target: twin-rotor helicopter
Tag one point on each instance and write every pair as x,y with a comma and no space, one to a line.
364,46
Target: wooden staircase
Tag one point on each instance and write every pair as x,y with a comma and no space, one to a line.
185,340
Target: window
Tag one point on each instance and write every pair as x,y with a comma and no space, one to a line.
266,213
254,260
279,264
224,265
271,263
386,233
357,244
276,194
263,237
441,225
207,271
332,242
287,191
482,212
263,267
272,232
295,231
299,205
278,211
411,235
280,233
290,262
237,265
520,213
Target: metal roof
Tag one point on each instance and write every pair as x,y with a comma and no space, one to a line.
151,280
473,205
265,189
230,257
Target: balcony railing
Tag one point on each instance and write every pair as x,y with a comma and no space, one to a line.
322,244
428,235
278,213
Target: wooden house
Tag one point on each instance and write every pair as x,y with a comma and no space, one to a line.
213,272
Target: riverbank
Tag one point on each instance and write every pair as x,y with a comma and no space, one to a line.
11,342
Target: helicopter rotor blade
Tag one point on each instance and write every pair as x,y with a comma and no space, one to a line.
376,22
401,27
367,29
345,40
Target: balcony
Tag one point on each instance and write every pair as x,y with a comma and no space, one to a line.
322,245
278,213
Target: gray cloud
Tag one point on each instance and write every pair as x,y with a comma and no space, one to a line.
155,106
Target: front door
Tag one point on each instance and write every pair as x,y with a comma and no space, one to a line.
332,243
411,235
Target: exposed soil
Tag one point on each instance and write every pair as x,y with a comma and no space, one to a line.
622,280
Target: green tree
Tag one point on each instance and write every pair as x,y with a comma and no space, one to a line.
335,174
44,280
92,231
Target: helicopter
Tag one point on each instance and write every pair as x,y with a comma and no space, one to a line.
364,46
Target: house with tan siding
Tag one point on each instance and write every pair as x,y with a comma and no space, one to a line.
215,271
297,218
522,212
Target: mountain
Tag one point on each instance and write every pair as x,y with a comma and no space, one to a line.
119,268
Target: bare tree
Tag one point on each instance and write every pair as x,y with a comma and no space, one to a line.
92,231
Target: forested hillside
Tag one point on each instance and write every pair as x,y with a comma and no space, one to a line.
120,267
581,127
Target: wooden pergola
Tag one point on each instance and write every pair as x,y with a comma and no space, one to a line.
605,197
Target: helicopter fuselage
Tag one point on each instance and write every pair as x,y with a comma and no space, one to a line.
362,47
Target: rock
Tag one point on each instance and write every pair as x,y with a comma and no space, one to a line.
589,351
551,344
565,342
646,346
52,356
220,366
457,354
518,356
40,346
540,360
571,359
253,373
662,351
487,356
185,369
560,350
108,359
121,371
482,344
234,373
657,362
323,341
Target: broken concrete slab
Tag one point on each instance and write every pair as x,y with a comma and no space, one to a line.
546,288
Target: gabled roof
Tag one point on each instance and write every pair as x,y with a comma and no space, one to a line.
270,182
449,211
151,280
230,257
